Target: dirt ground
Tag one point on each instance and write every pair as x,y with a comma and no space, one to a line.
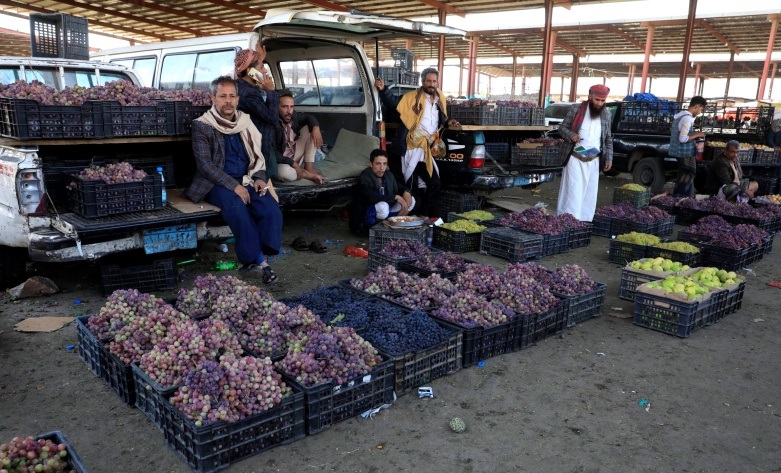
569,404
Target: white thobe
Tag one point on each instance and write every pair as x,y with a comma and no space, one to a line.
579,180
428,125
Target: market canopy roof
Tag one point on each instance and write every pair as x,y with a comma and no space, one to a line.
148,21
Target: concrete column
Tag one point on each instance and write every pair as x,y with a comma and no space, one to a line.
687,48
512,83
573,86
546,45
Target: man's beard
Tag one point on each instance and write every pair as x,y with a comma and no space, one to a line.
430,90
594,110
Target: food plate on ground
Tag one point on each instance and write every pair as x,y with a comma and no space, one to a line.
406,221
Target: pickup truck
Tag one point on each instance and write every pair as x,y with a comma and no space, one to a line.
641,139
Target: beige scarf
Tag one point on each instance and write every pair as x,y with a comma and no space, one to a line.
410,109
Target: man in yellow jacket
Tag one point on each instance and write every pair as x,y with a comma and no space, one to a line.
421,111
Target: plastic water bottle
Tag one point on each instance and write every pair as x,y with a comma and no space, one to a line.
225,265
430,235
162,182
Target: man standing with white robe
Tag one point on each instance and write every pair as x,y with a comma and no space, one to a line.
586,127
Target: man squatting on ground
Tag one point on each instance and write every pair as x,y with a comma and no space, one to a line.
580,178
380,196
297,139
231,175
422,111
682,146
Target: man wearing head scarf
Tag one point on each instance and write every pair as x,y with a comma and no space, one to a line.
682,146
423,115
259,100
231,174
586,132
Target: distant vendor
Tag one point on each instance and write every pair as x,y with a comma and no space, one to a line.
725,169
379,195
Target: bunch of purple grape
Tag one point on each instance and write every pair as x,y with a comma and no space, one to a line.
569,221
398,249
481,279
534,220
665,201
473,310
524,289
621,210
198,302
115,173
384,279
516,104
336,354
428,292
626,211
545,141
229,390
571,279
725,235
444,262
28,455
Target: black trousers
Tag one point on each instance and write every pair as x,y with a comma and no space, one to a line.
428,197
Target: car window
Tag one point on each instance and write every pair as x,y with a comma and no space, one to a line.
195,70
47,76
88,78
9,75
557,111
325,82
144,67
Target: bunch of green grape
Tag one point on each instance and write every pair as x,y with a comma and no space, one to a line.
468,226
477,215
679,246
637,238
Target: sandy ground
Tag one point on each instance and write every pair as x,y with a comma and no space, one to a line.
569,404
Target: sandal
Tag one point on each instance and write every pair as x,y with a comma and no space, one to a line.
318,247
300,244
269,276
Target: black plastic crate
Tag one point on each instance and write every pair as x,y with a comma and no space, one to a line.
415,369
93,199
664,227
542,156
329,403
184,114
693,238
150,396
670,209
537,117
23,119
734,299
513,116
455,241
91,350
755,253
376,260
498,151
638,199
150,165
159,275
139,120
475,115
769,225
767,244
691,259
536,327
602,226
403,58
410,78
581,307
728,259
766,185
409,267
767,157
75,464
121,380
457,202
391,75
380,234
688,216
483,343
624,252
630,279
555,244
671,316
579,237
649,116
511,244
620,226
216,446
59,35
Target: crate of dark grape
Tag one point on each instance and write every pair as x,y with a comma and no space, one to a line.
158,275
184,114
622,252
97,198
457,202
580,237
601,226
47,452
511,244
330,403
150,396
546,154
214,446
670,315
637,197
555,244
24,119
729,259
536,327
481,343
663,227
581,307
381,234
120,120
456,241
91,350
377,259
417,368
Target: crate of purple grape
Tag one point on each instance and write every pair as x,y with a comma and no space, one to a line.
580,235
24,119
209,445
601,225
666,203
422,348
158,119
150,396
511,244
445,263
74,464
537,327
514,114
328,403
381,234
395,252
115,189
474,112
104,364
581,306
481,343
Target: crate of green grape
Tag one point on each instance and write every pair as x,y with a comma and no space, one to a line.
479,216
679,251
639,196
630,246
459,236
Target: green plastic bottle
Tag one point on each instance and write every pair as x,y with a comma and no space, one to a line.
226,265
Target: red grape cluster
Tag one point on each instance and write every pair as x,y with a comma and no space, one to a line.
569,221
524,289
516,104
721,206
335,354
198,301
115,173
229,390
28,455
534,220
398,249
426,292
571,279
666,201
444,262
124,92
481,279
384,279
627,211
472,310
468,103
545,141
726,235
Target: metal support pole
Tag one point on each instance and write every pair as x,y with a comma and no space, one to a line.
561,90
523,80
460,76
772,79
471,83
573,86
696,77
546,45
687,48
729,76
649,39
441,53
766,67
630,79
515,72
550,62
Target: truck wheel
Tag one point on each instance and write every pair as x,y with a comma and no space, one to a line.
648,172
12,266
